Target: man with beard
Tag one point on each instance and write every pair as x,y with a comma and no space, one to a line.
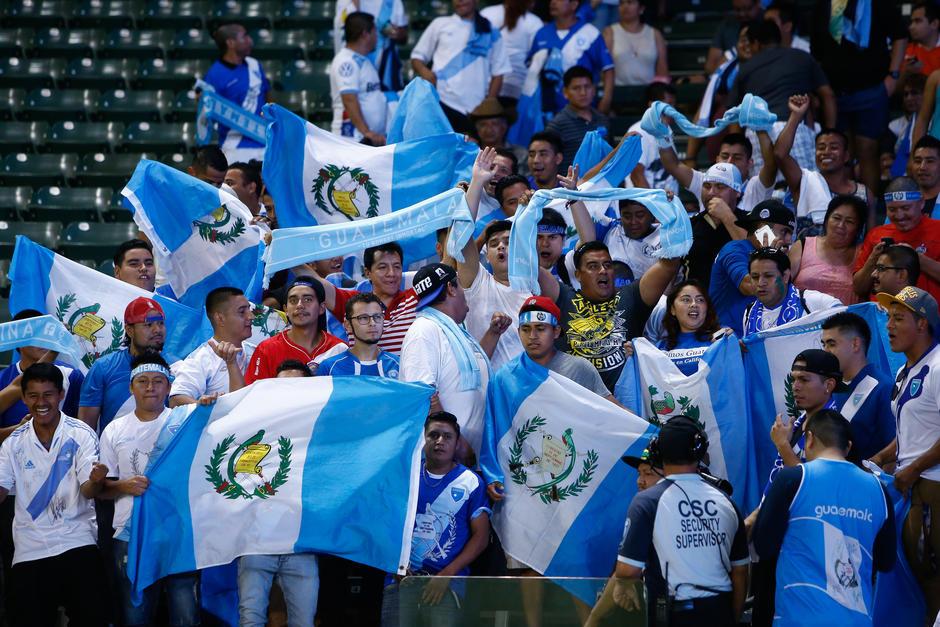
364,316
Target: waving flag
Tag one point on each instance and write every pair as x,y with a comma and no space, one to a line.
43,332
767,362
91,304
592,150
655,389
556,448
418,114
202,236
278,468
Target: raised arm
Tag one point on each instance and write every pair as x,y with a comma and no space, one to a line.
768,171
926,107
799,105
482,174
655,280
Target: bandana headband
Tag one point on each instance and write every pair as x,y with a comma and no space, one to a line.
142,368
551,229
538,317
902,196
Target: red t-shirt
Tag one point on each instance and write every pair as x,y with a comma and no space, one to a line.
929,58
399,315
924,238
275,350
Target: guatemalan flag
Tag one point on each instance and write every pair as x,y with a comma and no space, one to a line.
654,387
202,236
769,356
279,467
91,304
556,447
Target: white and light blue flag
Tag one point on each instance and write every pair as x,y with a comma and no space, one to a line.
279,467
91,304
556,447
202,236
653,386
43,332
418,114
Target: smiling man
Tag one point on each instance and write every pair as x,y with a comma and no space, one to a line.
133,263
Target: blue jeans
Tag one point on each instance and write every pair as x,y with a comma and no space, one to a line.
401,605
298,577
182,592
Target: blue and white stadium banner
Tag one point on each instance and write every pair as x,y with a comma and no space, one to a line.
284,466
215,108
418,114
556,447
43,332
653,386
91,304
769,356
202,236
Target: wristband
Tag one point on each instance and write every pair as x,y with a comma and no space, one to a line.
665,142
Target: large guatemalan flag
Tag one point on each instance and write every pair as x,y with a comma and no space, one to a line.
279,467
91,304
556,448
654,387
767,360
202,236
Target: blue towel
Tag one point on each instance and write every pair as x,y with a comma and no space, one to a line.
752,113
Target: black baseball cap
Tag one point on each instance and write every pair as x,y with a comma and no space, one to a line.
430,280
677,438
770,210
634,461
824,364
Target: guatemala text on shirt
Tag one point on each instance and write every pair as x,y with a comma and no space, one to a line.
269,469
556,448
769,357
43,332
91,304
653,387
202,236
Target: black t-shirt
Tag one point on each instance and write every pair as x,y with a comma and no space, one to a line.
707,240
777,73
597,330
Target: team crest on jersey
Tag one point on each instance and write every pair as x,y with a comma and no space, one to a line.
218,230
246,466
89,328
846,574
915,387
347,191
457,493
856,399
667,406
548,471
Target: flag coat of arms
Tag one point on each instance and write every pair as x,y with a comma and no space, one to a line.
279,467
556,448
91,304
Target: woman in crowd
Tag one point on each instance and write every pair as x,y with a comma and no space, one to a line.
517,26
638,49
690,324
824,263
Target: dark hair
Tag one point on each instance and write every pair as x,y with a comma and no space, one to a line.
368,257
848,322
442,295
576,71
210,156
907,258
25,314
927,141
765,32
787,11
251,172
218,296
770,254
223,33
42,371
738,139
357,24
837,133
506,182
931,11
551,217
515,9
588,247
507,153
550,137
362,297
129,245
830,428
857,204
497,226
149,357
657,90
916,82
443,416
315,285
671,323
293,364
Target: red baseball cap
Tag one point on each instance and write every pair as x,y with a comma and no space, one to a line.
541,303
143,310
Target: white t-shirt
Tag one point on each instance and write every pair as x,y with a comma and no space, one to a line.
48,523
754,191
654,171
517,43
815,301
204,372
125,449
485,296
917,411
446,38
426,357
352,73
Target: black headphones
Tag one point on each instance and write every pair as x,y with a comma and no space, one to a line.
699,442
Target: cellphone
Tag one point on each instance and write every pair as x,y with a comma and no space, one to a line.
887,241
765,232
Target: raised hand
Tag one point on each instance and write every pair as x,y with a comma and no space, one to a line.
571,180
483,166
799,104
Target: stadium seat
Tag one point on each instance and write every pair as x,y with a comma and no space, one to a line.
313,75
36,170
35,13
15,42
183,108
5,315
106,267
322,46
67,42
97,241
177,160
287,45
59,104
697,29
104,170
116,212
175,14
166,137
686,59
83,136
126,43
319,105
47,234
630,99
169,74
129,106
98,74
21,136
11,103
314,16
106,13
195,43
251,15
293,101
68,205
30,73
13,202
690,93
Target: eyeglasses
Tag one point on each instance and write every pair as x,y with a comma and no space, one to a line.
365,319
880,268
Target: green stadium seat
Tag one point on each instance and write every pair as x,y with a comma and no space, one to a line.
67,42
690,94
96,74
280,44
313,75
36,170
116,212
126,43
15,42
322,46
698,29
11,102
194,43
184,107
21,136
319,106
95,240
687,59
130,106
169,74
59,104
177,160
175,14
68,205
630,99
5,316
104,170
47,234
166,137
106,13
30,73
35,13
316,15
106,267
13,202
251,15
71,136
293,101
